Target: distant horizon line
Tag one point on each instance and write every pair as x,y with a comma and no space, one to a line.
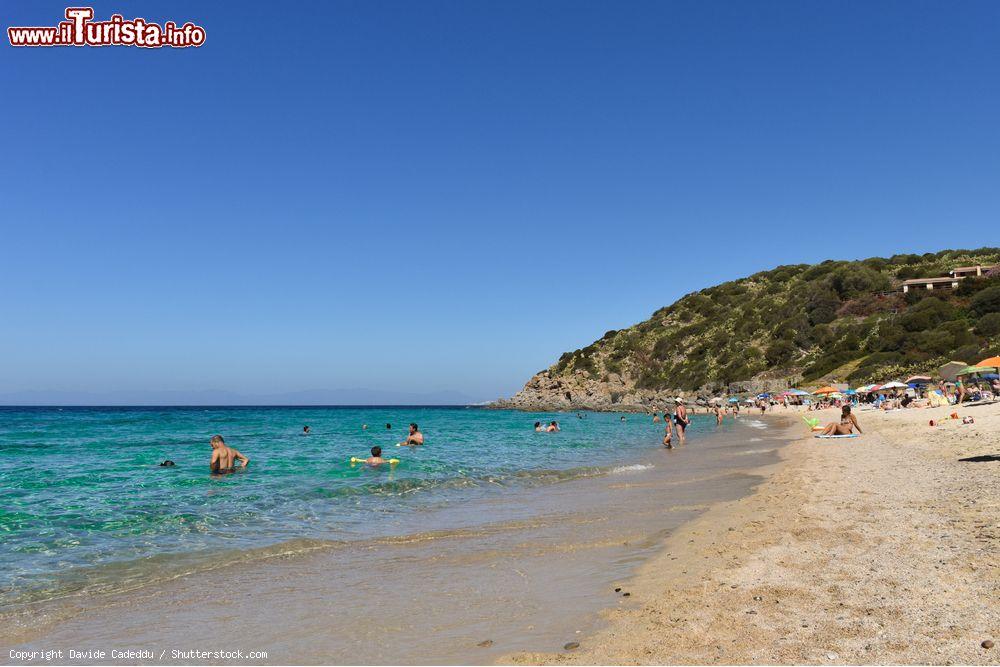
251,405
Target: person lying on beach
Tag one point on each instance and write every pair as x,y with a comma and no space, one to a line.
848,422
376,458
415,437
224,458
553,427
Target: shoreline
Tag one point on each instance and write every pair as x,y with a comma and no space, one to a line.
535,581
883,549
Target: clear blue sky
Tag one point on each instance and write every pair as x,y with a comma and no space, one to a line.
448,195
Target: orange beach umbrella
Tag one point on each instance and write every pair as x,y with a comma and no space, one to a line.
825,390
992,362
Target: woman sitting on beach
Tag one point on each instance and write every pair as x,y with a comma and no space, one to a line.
848,423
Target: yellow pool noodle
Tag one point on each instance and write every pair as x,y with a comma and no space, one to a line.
355,459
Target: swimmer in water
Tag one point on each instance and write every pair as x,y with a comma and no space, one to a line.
388,427
623,418
376,458
538,427
224,458
656,418
415,437
167,464
553,427
668,434
305,430
364,427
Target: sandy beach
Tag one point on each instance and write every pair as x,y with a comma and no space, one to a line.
883,549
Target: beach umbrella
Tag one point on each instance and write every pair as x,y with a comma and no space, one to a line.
893,385
734,400
950,370
919,379
851,392
969,370
825,390
992,362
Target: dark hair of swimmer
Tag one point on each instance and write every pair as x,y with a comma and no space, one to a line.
414,427
305,429
168,463
388,426
376,451
537,424
217,440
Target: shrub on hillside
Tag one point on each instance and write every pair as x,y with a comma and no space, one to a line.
927,314
779,353
988,325
852,281
986,301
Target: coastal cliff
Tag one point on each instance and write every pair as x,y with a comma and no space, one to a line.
847,321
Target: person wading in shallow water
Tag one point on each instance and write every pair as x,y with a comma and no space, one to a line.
681,419
668,433
224,458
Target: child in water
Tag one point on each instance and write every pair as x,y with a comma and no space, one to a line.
668,434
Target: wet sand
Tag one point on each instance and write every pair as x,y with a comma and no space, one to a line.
879,550
476,581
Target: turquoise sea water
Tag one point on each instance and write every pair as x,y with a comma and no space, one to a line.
81,491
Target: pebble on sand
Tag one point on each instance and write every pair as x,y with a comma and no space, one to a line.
988,643
572,645
486,643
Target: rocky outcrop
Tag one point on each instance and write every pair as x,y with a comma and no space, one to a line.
578,391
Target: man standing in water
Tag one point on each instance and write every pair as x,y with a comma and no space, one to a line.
415,438
224,458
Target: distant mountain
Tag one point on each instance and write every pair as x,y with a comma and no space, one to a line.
212,397
836,321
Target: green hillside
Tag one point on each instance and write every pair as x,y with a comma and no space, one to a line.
840,320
